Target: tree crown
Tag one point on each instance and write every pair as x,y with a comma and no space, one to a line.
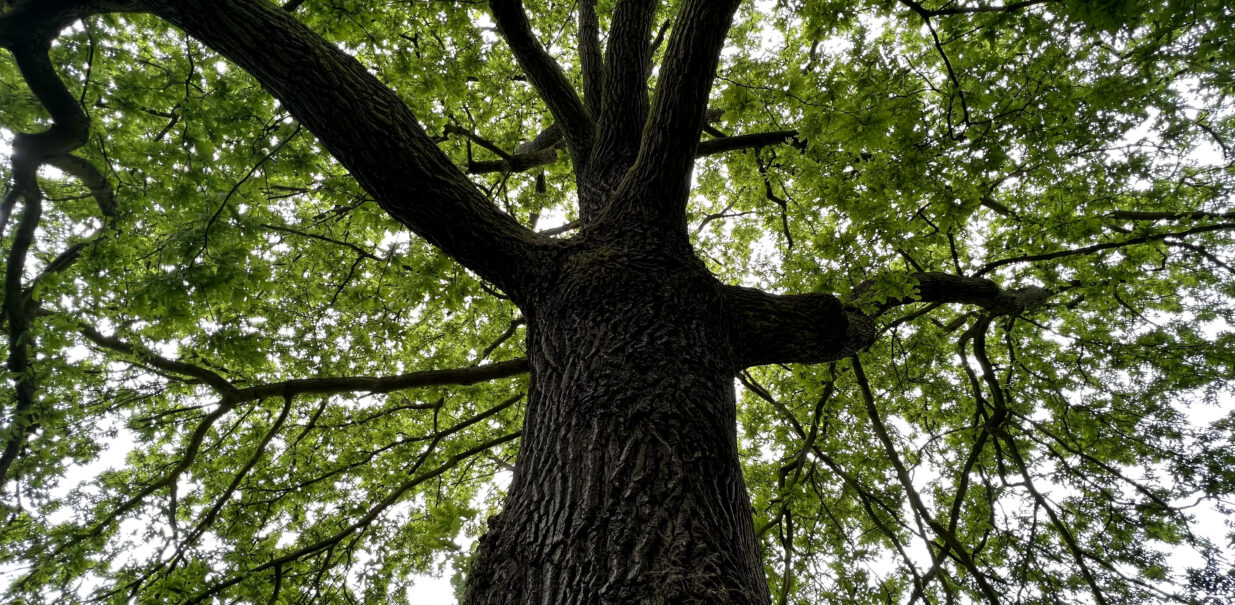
298,323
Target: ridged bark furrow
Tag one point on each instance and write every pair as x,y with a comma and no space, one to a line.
627,487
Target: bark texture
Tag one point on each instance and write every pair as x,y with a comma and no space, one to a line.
628,487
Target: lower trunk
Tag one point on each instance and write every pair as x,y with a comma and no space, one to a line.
627,488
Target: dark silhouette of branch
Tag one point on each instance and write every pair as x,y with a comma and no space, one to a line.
1152,237
536,157
902,474
1135,215
546,75
868,498
970,10
330,541
743,141
313,386
68,131
591,63
475,138
91,178
357,249
209,377
314,80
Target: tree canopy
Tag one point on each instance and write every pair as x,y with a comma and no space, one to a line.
234,377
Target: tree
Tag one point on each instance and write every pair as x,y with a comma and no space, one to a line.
970,263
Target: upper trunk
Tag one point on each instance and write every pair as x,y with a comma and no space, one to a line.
627,488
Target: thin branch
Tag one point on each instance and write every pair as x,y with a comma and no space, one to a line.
507,335
995,425
1077,554
208,519
1152,237
866,496
970,10
361,523
236,187
906,482
743,141
1134,215
357,249
1203,252
926,17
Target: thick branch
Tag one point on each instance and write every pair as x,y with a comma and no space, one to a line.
801,328
516,163
36,22
624,106
546,75
366,127
70,126
935,287
661,175
814,328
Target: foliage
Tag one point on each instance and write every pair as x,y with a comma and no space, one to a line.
1081,450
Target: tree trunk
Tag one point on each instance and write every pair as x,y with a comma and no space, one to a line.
627,488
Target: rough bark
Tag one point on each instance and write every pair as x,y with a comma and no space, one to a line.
624,104
801,328
627,487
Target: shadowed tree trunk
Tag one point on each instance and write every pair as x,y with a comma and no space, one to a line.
627,487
